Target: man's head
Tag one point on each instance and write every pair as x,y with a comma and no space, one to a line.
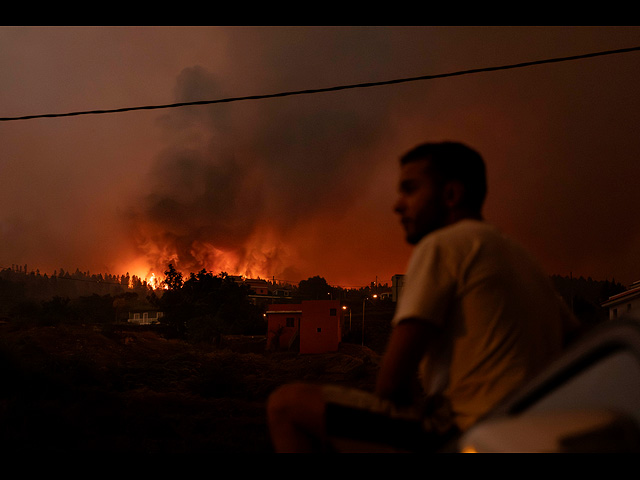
440,183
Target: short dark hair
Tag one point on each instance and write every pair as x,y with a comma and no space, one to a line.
454,161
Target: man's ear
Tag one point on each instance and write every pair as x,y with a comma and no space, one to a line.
453,193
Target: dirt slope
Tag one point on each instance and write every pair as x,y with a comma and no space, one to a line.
83,388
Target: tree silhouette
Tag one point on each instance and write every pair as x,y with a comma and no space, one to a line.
315,288
172,278
206,306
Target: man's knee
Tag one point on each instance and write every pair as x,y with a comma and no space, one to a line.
288,400
295,414
281,400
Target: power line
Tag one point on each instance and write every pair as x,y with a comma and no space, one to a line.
328,89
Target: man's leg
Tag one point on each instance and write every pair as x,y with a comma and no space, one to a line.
312,418
295,414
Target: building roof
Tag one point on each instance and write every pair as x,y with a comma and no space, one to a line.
284,308
623,297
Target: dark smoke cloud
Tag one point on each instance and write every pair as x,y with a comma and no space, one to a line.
212,188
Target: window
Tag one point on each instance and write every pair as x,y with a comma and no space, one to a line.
318,329
332,312
291,322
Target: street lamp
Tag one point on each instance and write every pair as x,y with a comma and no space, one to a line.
363,302
344,307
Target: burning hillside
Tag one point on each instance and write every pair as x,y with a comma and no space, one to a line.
221,199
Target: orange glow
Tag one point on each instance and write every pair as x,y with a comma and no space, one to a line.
150,279
140,268
153,282
259,256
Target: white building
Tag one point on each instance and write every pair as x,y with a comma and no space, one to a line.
145,318
397,282
625,303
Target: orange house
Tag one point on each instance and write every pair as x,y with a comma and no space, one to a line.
314,325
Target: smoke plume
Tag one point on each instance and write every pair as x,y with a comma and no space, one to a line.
228,194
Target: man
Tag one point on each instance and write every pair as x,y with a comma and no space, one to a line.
476,319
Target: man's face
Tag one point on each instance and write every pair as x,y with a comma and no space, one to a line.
420,205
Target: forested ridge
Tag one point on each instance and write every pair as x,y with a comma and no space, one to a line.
203,305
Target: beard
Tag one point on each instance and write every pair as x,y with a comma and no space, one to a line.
427,222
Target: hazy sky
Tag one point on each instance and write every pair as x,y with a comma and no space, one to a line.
304,185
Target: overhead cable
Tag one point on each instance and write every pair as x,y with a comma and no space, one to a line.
328,89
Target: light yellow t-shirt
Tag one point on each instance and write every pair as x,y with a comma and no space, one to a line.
501,320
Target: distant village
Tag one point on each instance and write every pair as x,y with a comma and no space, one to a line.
310,316
73,284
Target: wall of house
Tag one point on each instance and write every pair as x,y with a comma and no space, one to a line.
145,318
259,288
283,321
318,324
321,326
629,306
624,304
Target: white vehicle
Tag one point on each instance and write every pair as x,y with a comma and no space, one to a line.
587,401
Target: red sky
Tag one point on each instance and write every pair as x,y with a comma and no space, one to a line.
299,186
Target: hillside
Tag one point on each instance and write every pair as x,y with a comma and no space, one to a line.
73,388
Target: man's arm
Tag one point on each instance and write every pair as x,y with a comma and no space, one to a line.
408,343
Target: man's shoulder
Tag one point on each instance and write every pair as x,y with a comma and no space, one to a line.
459,241
463,231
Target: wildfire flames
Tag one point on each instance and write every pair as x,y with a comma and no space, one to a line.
153,282
240,201
260,256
